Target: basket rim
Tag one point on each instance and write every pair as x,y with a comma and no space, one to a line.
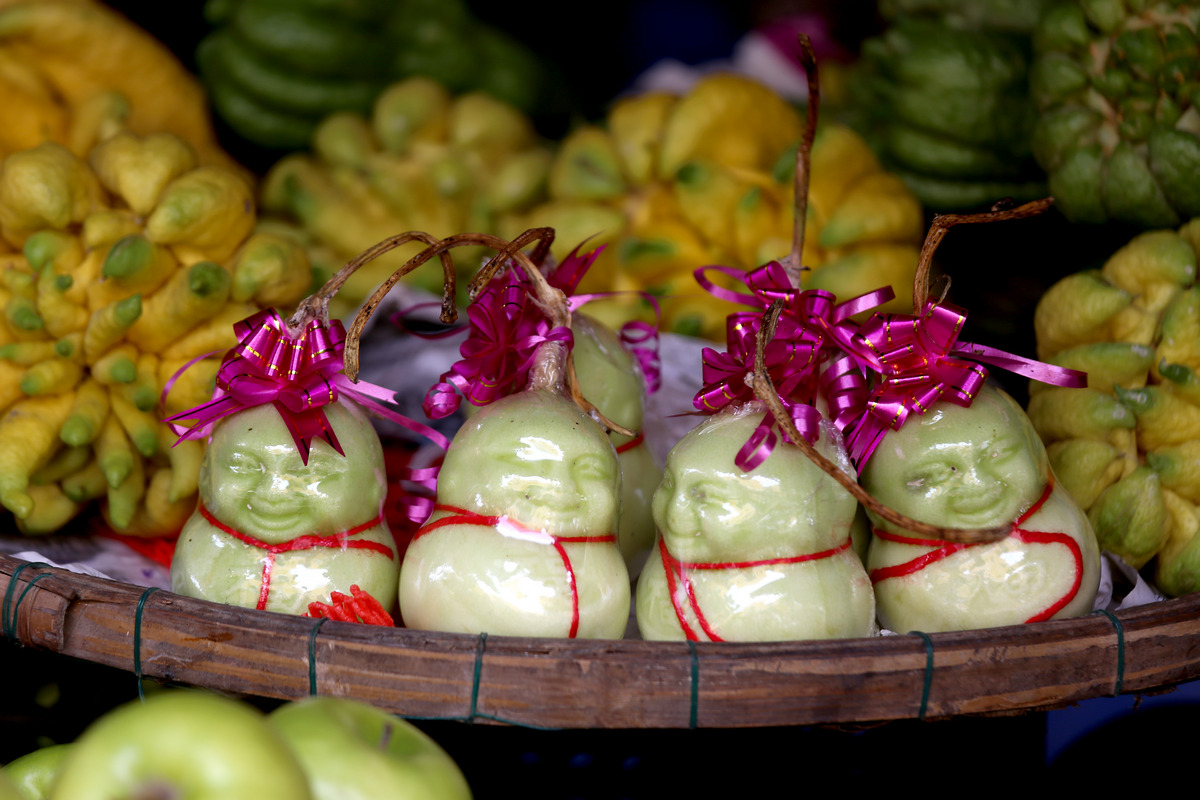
560,683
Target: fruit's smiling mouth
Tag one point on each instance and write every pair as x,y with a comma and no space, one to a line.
283,519
980,506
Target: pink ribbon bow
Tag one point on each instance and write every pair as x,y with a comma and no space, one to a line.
920,361
811,329
298,376
505,329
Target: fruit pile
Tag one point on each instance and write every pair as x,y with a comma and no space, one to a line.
423,159
275,69
675,183
1128,446
72,72
945,101
956,96
189,743
127,267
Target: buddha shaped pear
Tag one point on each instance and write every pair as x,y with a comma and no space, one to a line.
980,466
272,532
522,539
758,555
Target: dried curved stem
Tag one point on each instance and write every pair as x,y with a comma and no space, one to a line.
550,370
506,251
316,305
764,390
436,247
793,265
941,225
585,404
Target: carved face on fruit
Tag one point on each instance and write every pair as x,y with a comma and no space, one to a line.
973,467
708,509
254,480
535,457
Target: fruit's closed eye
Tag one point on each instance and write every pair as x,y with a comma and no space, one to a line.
590,468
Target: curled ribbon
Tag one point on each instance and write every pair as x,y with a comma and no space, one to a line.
506,327
505,331
298,376
812,328
920,361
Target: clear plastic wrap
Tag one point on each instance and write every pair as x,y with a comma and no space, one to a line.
273,532
522,540
763,555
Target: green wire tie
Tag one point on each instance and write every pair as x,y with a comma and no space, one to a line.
8,613
480,644
1120,681
312,656
137,640
927,682
694,702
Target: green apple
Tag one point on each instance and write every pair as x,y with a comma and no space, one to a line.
521,474
33,773
353,751
610,380
254,481
181,743
10,791
976,467
713,514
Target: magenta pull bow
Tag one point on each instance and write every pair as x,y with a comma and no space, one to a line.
920,361
506,327
809,332
505,331
299,376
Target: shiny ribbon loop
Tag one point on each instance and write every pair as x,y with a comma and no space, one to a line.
298,376
809,333
505,329
919,361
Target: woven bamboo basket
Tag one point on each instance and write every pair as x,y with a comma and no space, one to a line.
552,683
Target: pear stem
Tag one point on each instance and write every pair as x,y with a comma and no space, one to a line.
793,265
941,225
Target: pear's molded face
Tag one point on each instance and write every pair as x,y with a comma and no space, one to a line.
254,480
973,467
708,508
535,457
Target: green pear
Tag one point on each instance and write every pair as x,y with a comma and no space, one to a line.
721,519
254,481
521,473
977,467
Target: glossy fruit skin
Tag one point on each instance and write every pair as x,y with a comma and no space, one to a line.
976,467
33,773
524,476
782,529
254,483
201,744
1116,91
350,750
